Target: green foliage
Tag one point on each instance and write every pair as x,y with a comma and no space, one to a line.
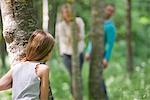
60,81
6,95
120,85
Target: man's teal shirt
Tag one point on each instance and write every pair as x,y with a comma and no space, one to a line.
109,39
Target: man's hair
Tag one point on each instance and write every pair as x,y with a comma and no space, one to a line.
40,44
110,4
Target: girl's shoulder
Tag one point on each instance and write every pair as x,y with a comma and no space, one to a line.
42,69
16,63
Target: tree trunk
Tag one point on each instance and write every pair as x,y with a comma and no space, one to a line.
52,16
18,24
76,73
3,52
45,15
129,36
97,37
37,5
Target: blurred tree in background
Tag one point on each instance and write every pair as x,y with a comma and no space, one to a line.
3,52
53,8
76,70
97,37
129,35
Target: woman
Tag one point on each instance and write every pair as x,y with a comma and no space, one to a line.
64,37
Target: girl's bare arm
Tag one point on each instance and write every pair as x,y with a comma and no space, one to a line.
6,81
43,73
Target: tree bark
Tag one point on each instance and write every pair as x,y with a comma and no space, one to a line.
76,73
129,36
18,24
52,16
97,37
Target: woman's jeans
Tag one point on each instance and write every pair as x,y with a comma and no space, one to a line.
67,59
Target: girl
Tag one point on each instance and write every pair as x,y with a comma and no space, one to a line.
29,78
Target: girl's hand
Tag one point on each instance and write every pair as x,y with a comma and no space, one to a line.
6,81
43,73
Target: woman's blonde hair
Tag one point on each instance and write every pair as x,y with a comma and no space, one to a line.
40,44
65,6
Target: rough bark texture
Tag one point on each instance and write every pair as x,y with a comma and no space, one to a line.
45,15
18,24
76,73
129,36
52,16
97,37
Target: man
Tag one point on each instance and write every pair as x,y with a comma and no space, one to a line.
109,39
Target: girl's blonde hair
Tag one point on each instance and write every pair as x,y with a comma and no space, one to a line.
40,44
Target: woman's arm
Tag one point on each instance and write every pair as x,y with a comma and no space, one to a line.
43,73
6,81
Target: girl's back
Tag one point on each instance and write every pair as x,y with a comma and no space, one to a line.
29,80
26,84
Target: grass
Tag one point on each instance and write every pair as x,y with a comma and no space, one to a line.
120,85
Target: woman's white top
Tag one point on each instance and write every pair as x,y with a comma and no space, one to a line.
64,36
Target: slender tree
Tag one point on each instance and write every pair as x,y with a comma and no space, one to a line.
2,46
76,73
129,36
45,15
37,5
18,23
52,16
3,53
97,37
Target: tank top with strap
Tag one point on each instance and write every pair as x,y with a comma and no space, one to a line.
26,84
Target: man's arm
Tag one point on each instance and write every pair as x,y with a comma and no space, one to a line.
6,81
110,39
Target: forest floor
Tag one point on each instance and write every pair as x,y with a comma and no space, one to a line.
120,84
